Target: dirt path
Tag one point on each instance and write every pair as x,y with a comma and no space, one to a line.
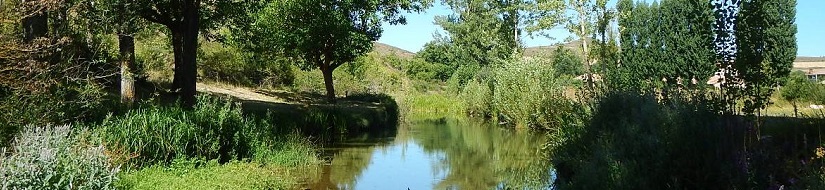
238,92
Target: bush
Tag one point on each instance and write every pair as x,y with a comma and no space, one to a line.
528,94
226,63
565,62
478,98
461,76
54,158
634,142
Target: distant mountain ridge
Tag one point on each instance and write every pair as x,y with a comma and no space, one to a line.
809,59
385,49
539,51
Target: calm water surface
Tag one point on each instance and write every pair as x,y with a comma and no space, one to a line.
440,154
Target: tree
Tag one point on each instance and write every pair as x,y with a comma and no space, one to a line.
671,41
124,21
725,19
797,88
565,62
185,19
766,48
588,14
323,34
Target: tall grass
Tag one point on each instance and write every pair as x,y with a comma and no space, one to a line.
431,106
525,93
214,129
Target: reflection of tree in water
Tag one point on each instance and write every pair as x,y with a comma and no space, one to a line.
471,155
349,161
479,156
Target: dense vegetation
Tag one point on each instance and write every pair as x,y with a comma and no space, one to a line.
102,94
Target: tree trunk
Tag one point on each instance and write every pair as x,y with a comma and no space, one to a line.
35,26
188,72
127,69
327,71
177,51
795,109
585,49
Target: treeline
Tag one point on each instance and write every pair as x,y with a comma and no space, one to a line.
665,44
658,47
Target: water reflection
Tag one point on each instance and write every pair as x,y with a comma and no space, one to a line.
442,154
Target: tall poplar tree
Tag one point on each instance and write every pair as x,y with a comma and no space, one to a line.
766,42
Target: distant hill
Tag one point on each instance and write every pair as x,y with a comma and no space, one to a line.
810,59
385,49
539,51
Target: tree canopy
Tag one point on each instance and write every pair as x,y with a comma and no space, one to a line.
322,34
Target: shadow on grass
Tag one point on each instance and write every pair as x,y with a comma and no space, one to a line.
634,142
351,118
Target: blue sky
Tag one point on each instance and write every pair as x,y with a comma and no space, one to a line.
810,20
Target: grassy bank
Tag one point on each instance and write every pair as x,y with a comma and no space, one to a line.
169,147
163,147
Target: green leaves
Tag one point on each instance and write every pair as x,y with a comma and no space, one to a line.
672,40
766,48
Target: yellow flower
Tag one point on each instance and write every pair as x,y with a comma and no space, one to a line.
820,152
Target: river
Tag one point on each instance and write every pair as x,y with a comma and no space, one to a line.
438,154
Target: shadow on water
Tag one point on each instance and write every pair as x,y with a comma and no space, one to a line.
438,154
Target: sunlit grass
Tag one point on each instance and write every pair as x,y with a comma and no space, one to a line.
211,175
432,106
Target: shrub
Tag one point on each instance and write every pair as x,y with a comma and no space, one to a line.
461,76
565,62
54,158
527,93
227,63
634,142
478,98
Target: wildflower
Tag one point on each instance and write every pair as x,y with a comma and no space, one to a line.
820,152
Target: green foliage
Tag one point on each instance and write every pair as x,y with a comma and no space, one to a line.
478,97
324,35
633,142
215,129
462,75
798,88
528,94
227,63
56,158
368,74
672,40
766,49
431,106
565,62
428,71
56,79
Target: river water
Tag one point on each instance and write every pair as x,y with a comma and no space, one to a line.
438,154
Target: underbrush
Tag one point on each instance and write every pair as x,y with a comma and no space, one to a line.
214,129
368,74
56,158
637,142
525,93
